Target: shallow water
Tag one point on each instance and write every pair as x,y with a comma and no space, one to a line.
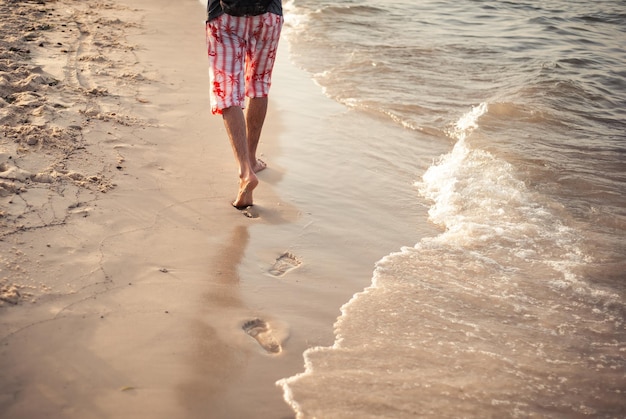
516,308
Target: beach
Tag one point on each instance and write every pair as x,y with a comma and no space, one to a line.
128,280
439,231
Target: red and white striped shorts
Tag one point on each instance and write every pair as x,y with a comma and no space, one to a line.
242,51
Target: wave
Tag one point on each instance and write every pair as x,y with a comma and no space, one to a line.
484,313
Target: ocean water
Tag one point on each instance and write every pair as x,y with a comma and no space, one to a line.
516,307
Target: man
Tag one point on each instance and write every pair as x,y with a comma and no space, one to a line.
242,50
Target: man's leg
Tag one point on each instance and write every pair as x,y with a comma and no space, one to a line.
255,116
261,55
235,124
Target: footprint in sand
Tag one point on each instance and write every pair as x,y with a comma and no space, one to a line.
284,263
261,331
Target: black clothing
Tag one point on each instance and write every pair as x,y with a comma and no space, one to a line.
214,9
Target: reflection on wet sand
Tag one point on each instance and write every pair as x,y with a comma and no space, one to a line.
213,361
223,346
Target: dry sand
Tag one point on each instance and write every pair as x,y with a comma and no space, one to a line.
120,255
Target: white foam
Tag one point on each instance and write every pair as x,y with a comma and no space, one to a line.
295,20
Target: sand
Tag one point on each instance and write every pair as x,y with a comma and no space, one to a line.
119,249
129,286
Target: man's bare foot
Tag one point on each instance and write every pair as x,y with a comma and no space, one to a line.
244,198
258,165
